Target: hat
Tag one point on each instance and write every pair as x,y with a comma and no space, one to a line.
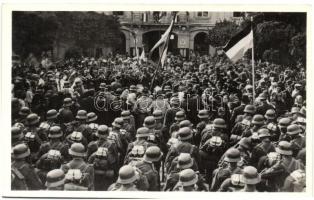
16,133
55,132
185,161
76,136
81,114
133,88
302,112
55,178
138,150
249,109
51,114
102,151
270,114
158,114
77,149
284,122
245,142
142,132
232,155
258,120
185,123
20,151
102,131
24,111
188,177
284,148
67,102
118,122
215,141
74,174
126,114
219,123
175,101
293,129
180,115
149,122
295,110
127,175
91,117
203,114
263,132
250,176
153,154
32,119
185,133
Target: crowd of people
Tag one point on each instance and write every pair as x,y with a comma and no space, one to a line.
200,125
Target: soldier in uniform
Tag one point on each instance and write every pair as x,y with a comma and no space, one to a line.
23,113
81,126
76,137
23,176
250,179
297,141
230,166
295,182
128,124
55,180
32,126
218,128
171,112
187,181
16,136
141,139
51,118
154,137
256,123
104,170
161,130
126,181
271,124
66,113
283,125
77,151
240,109
91,120
141,107
74,181
232,184
203,115
264,105
180,116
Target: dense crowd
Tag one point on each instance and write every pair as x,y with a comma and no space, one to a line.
109,124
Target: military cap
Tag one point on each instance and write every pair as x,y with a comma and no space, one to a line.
20,151
76,136
16,133
149,122
249,109
74,175
232,155
219,123
32,119
127,175
185,123
215,141
153,154
180,115
91,117
138,150
258,120
185,133
284,148
284,122
245,143
270,114
188,177
295,110
293,129
263,132
77,149
142,132
185,161
24,111
203,114
250,176
118,122
102,151
51,114
55,132
126,114
102,131
158,114
81,114
55,178
67,102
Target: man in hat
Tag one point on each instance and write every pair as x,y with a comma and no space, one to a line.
126,180
250,178
231,159
161,130
271,124
22,173
32,127
78,154
171,112
154,137
261,109
16,136
128,124
66,112
296,139
240,109
76,137
142,107
187,181
219,128
23,113
256,123
180,116
104,168
81,125
283,125
142,135
203,115
160,103
152,156
55,180
51,118
91,120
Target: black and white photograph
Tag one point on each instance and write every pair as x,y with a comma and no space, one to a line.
159,101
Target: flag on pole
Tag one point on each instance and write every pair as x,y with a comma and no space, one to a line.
239,44
142,58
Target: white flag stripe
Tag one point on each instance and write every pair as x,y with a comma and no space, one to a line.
238,50
163,37
164,56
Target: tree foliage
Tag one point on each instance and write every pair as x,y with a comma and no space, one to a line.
222,32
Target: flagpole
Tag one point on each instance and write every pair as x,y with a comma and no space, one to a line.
253,63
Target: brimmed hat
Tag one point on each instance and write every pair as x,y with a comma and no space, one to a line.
250,176
153,154
284,122
203,114
91,117
270,114
185,133
127,175
293,129
188,177
118,122
295,110
67,102
142,132
24,111
32,119
185,161
263,132
245,142
55,132
126,114
102,131
149,122
185,123
284,148
81,114
180,115
219,123
158,114
133,88
249,109
55,178
20,151
232,155
77,149
76,136
16,133
51,114
258,120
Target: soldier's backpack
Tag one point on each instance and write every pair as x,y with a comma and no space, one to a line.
17,179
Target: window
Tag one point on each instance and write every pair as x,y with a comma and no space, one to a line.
117,13
202,14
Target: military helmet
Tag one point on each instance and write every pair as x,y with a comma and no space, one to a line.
78,150
55,132
55,178
153,154
91,117
81,114
127,175
51,114
232,155
250,109
158,114
250,176
20,151
293,129
188,177
102,131
149,122
185,133
219,123
258,120
142,132
185,161
284,148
